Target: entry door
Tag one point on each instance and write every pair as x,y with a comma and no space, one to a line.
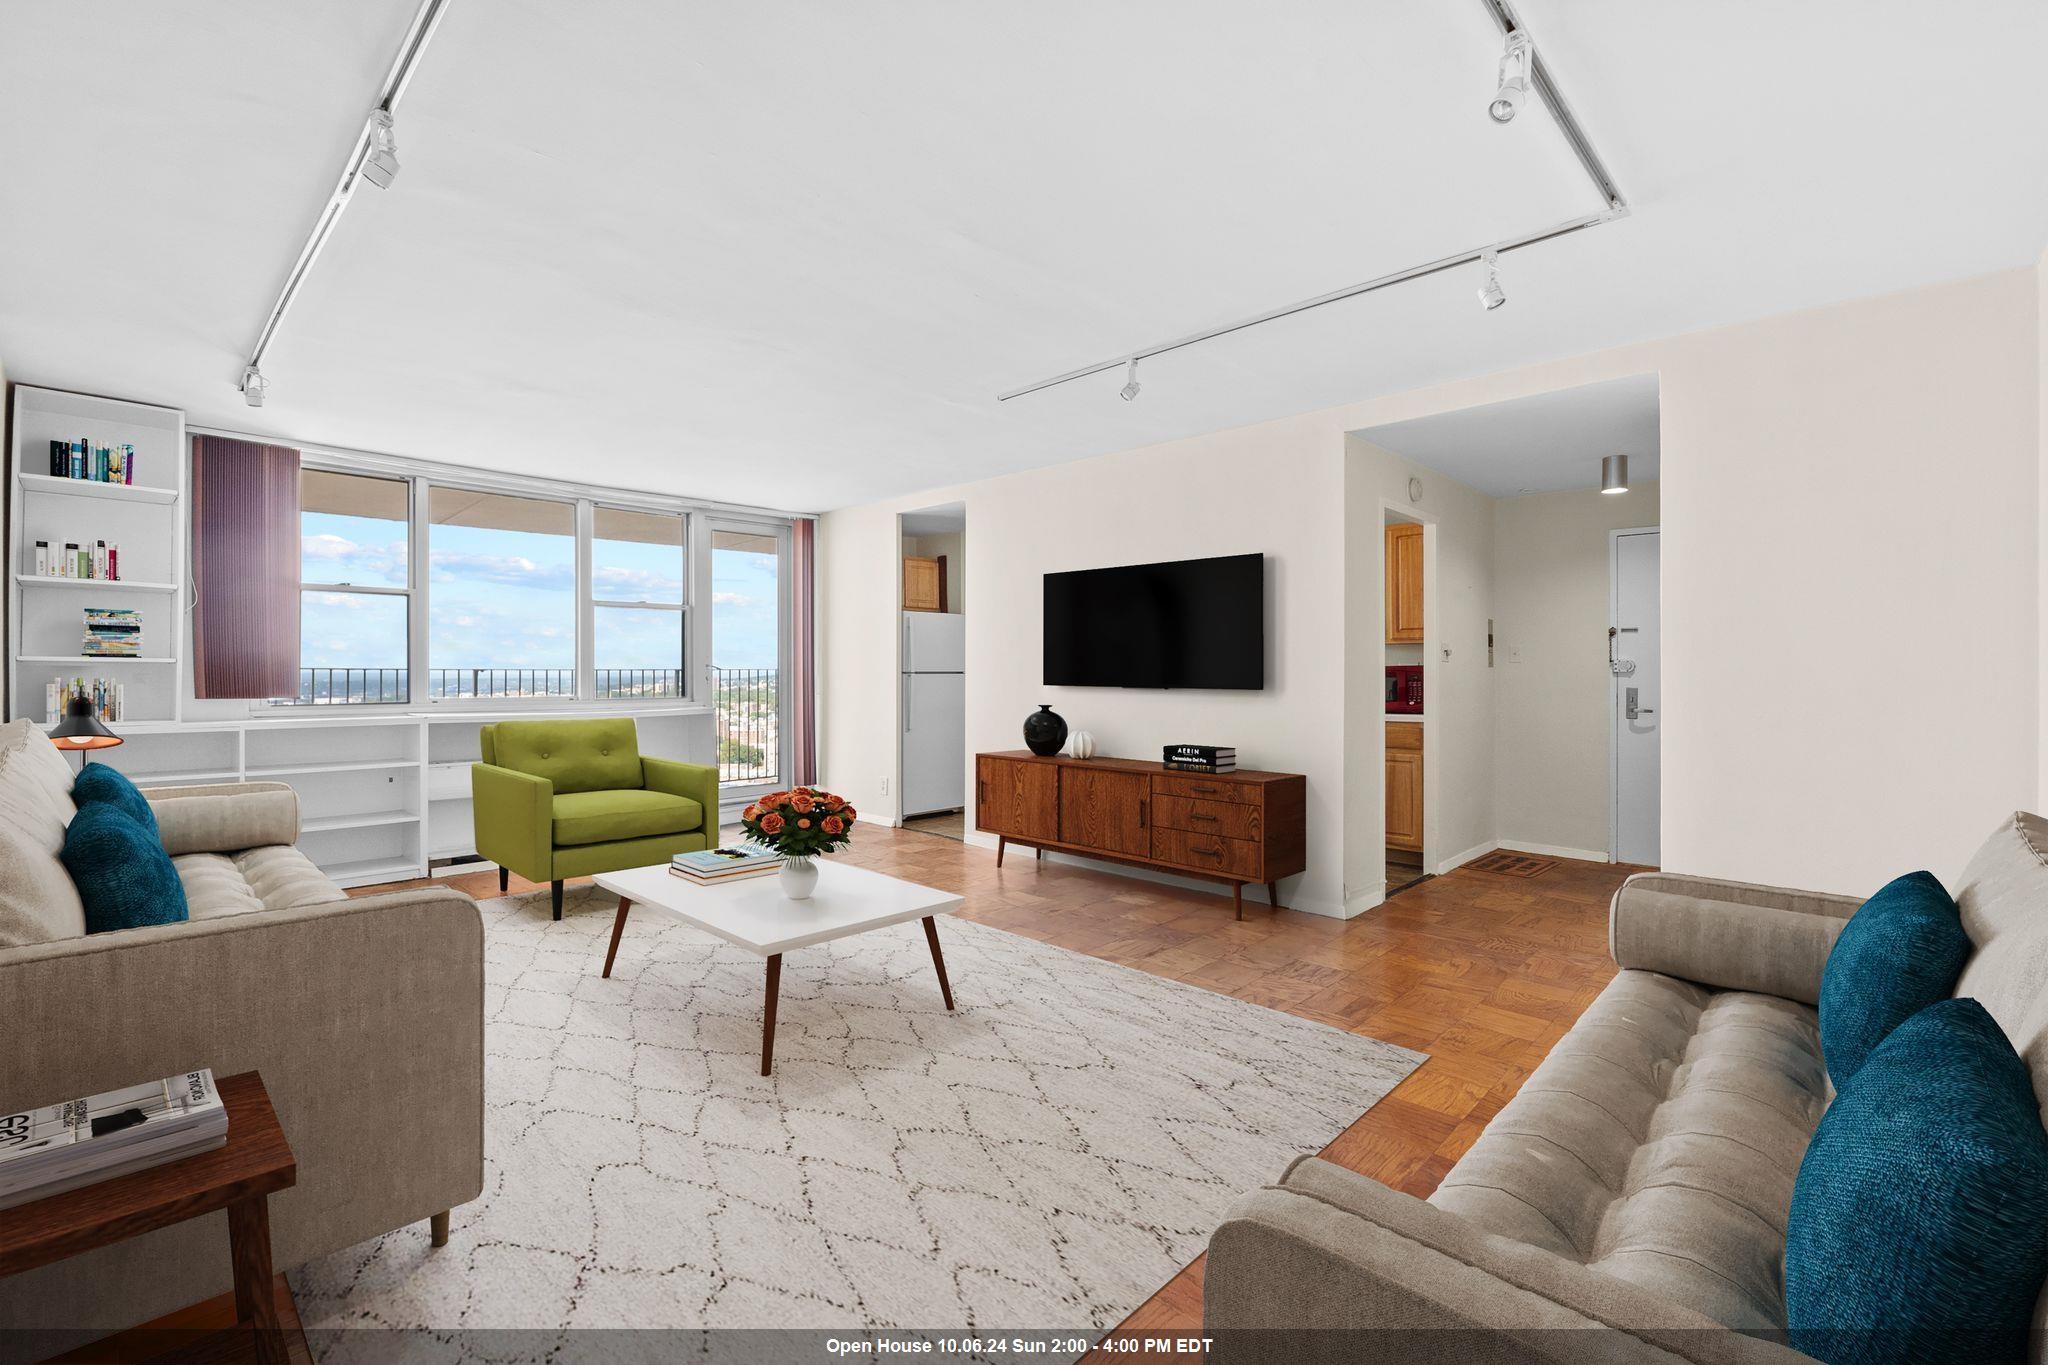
1638,700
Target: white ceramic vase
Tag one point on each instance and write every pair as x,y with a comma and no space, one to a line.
799,877
1081,744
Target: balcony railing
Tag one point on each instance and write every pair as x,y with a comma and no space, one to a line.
746,702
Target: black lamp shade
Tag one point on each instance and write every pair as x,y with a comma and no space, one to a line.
81,729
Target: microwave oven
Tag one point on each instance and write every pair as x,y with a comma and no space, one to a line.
1404,689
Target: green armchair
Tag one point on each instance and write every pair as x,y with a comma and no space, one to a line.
568,798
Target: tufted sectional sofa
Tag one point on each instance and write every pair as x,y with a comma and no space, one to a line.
364,1016
1630,1202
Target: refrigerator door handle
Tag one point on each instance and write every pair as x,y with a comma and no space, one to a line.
906,701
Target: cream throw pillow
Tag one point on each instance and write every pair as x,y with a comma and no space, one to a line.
37,899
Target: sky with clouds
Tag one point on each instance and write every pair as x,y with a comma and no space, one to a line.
507,599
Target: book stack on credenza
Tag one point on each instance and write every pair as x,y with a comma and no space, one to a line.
1201,758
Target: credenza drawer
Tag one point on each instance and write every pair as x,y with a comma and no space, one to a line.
1209,853
1205,788
1229,819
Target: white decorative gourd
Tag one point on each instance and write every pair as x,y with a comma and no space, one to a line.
1082,745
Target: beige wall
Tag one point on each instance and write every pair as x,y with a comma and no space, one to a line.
1851,503
1551,684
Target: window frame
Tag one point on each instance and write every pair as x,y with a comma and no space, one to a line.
410,592
422,477
589,603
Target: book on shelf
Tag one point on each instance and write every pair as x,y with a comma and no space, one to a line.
61,1147
112,633
723,864
81,459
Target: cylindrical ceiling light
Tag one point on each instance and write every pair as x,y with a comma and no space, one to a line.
1614,474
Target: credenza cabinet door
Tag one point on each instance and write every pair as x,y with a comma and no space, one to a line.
1105,810
1017,798
1404,584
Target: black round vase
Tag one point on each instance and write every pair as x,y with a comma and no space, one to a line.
1044,731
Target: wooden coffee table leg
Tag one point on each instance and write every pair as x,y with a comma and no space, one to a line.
618,928
931,936
249,1254
768,1017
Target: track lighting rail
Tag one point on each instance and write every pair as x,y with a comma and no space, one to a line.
1575,137
374,148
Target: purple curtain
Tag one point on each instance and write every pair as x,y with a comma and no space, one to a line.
803,655
245,569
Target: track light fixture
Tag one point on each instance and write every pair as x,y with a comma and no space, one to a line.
1513,90
253,386
1490,293
380,162
1130,388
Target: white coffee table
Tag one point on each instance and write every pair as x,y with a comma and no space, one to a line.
752,913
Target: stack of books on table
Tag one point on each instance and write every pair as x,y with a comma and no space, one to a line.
1201,758
112,633
80,1142
723,864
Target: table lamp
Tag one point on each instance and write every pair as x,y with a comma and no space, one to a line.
80,730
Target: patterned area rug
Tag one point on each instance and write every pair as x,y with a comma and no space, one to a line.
1047,1156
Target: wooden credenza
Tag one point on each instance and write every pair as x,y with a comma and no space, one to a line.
1237,828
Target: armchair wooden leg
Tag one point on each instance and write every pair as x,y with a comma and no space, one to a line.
504,880
437,1228
558,898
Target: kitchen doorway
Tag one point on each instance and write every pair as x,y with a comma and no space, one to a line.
932,700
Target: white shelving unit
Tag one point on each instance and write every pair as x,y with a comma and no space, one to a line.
46,615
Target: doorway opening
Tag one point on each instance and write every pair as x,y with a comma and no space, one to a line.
932,697
1522,690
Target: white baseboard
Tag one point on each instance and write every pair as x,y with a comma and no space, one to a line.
1588,855
1460,859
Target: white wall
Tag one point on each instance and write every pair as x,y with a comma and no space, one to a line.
1552,688
1851,519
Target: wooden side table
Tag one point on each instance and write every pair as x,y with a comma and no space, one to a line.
239,1177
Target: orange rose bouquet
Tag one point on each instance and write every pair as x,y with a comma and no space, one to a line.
800,823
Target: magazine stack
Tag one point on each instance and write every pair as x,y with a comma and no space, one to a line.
81,1142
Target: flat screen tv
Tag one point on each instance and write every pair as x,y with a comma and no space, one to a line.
1193,623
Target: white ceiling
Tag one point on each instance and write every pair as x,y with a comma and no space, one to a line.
786,253
1545,443
944,520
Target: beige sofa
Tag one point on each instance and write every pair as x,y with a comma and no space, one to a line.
364,1016
1629,1203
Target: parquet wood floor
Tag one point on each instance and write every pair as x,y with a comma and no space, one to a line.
1482,972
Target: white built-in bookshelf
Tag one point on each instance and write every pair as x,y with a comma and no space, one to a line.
383,791
146,518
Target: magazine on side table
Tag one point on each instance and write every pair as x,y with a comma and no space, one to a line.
61,1147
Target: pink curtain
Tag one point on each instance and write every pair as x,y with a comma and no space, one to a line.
803,655
245,569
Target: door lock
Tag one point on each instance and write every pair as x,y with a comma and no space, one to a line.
1631,709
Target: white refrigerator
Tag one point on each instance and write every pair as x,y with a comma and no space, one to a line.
934,711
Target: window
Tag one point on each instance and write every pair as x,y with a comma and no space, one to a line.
637,613
746,652
501,595
355,596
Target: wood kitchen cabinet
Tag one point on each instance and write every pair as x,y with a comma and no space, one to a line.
1241,827
922,580
1404,786
1404,584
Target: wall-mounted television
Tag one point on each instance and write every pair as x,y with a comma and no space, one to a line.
1193,623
